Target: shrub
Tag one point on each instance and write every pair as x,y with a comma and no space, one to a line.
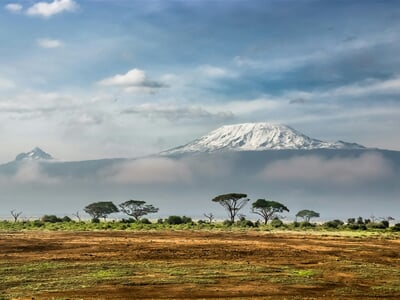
333,224
174,220
128,221
96,220
51,219
227,223
396,227
385,223
38,223
296,224
187,220
351,221
375,225
66,219
244,223
145,221
307,225
276,222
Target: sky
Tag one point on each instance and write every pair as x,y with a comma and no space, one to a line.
88,79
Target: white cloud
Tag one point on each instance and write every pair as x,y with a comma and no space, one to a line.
6,84
37,103
315,169
28,173
244,107
13,7
132,77
148,171
367,87
216,72
133,81
172,112
49,43
46,10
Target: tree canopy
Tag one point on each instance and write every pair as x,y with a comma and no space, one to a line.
100,209
267,209
137,208
307,214
232,203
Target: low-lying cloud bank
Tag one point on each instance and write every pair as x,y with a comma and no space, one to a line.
370,169
147,171
29,173
166,170
365,168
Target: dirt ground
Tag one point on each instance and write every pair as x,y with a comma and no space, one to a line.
197,264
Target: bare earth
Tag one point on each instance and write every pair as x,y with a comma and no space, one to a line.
197,264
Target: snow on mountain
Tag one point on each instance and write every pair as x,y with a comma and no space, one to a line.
35,154
257,137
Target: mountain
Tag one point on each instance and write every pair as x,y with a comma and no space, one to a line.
35,154
339,179
257,137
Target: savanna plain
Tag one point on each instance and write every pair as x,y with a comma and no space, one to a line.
199,264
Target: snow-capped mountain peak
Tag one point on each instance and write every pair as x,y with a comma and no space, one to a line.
257,137
35,154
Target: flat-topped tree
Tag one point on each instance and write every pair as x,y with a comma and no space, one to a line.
307,214
137,208
99,210
267,209
232,203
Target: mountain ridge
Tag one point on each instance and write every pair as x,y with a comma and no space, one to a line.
257,137
35,154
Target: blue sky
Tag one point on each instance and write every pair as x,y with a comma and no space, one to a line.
87,79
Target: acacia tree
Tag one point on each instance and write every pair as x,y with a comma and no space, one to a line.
209,216
232,203
307,214
267,209
15,215
99,210
78,216
137,208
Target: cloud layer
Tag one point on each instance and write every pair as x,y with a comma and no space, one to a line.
14,7
133,81
174,113
47,10
314,169
49,43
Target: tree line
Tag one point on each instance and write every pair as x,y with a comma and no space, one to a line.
270,212
232,203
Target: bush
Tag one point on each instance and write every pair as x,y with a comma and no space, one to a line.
187,220
38,223
357,226
276,222
96,220
333,224
307,225
244,223
385,223
227,223
174,220
128,221
66,219
145,221
375,225
351,221
396,227
296,224
51,219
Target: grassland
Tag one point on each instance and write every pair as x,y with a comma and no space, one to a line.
173,264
